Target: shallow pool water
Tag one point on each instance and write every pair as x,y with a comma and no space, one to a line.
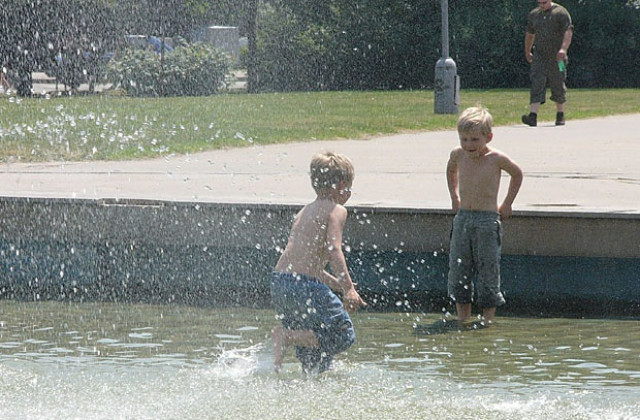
109,361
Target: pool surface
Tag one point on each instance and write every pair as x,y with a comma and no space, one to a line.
61,360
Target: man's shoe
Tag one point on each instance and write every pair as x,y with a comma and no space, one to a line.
531,119
560,118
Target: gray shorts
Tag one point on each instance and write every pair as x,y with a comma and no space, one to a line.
543,74
476,244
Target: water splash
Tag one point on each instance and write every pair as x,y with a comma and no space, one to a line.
243,362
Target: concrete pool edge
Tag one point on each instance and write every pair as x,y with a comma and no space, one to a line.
172,250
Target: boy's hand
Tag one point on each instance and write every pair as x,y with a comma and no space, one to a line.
505,211
352,301
455,205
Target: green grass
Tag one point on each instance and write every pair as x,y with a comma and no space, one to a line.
115,128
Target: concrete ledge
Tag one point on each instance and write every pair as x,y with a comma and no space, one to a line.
209,254
527,233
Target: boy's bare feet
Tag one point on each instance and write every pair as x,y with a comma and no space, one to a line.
486,323
464,314
488,314
277,335
465,324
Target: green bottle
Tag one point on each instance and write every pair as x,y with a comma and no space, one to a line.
561,66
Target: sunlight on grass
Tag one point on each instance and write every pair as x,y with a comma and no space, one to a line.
115,128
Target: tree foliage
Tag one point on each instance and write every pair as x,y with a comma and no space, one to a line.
394,44
189,70
35,34
330,44
605,51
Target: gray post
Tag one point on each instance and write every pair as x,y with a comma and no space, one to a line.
447,83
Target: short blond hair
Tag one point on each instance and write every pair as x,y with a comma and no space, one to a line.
328,169
476,118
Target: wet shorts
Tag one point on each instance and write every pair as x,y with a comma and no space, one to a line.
475,250
303,303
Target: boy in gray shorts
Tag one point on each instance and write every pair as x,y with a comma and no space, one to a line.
473,177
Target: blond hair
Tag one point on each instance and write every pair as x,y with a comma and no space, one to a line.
328,169
476,118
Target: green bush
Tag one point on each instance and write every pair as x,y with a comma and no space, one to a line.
190,70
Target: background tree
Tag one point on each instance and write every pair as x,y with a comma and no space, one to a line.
394,44
487,42
38,34
22,45
605,51
331,44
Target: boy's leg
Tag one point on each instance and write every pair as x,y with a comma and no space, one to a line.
324,330
283,338
459,281
488,251
464,313
277,334
335,335
313,359
487,315
290,297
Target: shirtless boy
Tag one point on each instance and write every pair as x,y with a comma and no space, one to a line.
473,176
314,319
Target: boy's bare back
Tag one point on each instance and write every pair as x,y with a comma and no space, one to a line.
316,235
316,229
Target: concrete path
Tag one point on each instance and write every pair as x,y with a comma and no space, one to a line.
585,166
44,84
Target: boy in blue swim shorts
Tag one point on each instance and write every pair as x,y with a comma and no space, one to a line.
473,177
314,319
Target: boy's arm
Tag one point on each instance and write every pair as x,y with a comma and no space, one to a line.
341,281
512,168
452,181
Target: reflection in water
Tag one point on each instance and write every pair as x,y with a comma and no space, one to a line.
105,361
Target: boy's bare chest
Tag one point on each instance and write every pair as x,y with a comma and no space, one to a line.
479,170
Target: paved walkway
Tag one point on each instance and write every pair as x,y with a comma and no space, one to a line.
585,166
45,84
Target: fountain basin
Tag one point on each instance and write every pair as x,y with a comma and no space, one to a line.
568,264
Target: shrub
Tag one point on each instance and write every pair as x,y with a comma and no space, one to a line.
190,70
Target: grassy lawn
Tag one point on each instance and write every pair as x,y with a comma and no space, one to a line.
106,127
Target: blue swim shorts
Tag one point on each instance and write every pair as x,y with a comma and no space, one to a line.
303,303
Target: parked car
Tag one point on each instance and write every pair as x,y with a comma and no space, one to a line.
150,42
